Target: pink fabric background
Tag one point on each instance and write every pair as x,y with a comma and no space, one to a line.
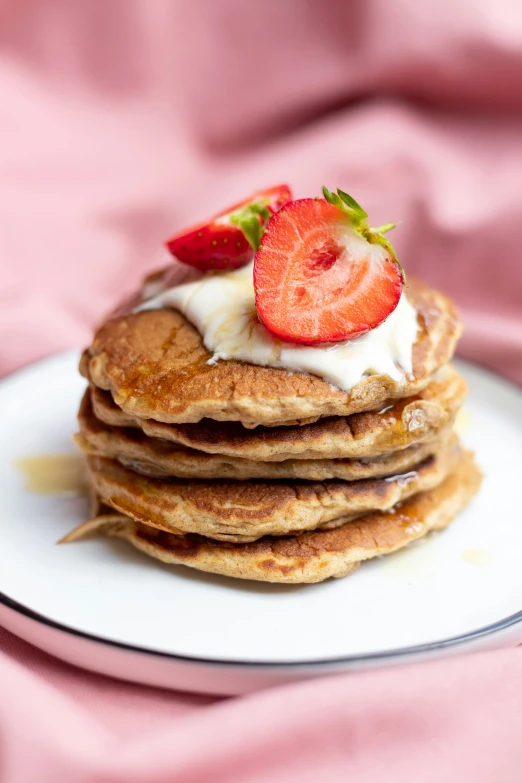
120,121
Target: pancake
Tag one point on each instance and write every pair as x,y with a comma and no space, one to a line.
156,367
309,557
159,458
408,422
246,510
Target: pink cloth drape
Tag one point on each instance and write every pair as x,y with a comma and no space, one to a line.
123,120
454,720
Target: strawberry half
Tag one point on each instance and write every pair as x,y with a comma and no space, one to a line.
321,274
230,239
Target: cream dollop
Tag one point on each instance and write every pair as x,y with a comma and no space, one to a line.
222,308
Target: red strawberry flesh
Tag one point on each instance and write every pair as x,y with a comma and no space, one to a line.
212,246
317,279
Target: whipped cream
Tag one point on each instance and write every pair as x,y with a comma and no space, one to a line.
222,308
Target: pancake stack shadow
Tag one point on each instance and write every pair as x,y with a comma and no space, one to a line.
257,473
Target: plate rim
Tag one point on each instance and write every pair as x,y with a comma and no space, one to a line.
316,663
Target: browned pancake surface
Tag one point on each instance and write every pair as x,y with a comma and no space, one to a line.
246,510
407,422
156,367
160,458
308,557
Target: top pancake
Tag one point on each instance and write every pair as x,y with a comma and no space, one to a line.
156,366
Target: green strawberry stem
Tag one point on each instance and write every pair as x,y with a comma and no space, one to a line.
248,220
358,219
384,228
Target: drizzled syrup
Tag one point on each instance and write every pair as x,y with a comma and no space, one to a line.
54,474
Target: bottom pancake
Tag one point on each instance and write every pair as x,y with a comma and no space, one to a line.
308,557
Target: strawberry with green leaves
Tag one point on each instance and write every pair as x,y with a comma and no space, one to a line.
322,274
230,239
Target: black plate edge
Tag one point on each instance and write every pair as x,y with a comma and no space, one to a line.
428,647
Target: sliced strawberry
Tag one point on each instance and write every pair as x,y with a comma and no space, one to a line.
230,239
322,274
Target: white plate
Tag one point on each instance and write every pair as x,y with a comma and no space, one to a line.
104,606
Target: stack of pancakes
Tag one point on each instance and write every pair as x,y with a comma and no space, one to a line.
261,473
